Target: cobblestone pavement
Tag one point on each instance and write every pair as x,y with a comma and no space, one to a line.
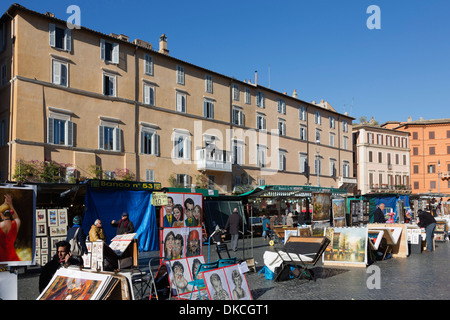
423,276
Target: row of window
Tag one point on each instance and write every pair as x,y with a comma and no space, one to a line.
431,150
391,180
60,38
431,168
388,158
432,185
61,132
387,140
431,135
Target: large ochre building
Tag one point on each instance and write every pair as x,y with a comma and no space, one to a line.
84,99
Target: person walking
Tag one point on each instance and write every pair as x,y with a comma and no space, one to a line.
266,226
233,225
81,236
427,221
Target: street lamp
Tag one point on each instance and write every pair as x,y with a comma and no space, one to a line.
439,174
317,162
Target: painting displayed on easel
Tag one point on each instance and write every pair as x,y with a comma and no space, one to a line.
338,209
181,222
321,207
348,245
17,225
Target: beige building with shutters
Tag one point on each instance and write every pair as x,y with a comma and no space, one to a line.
83,98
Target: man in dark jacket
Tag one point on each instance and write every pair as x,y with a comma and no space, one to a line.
124,225
427,221
233,225
62,258
378,215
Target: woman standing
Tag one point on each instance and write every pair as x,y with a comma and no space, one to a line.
9,226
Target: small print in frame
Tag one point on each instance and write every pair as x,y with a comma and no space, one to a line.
41,229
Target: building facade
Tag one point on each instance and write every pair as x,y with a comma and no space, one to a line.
382,161
103,105
430,154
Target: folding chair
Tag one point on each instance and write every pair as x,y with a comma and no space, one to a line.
227,262
140,280
302,253
200,283
159,283
222,247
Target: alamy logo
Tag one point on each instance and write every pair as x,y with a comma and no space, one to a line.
374,21
74,20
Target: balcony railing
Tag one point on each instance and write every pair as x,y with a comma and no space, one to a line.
400,188
214,159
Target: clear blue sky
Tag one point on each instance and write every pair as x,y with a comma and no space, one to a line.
321,48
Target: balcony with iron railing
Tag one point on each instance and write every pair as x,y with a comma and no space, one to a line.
214,159
390,188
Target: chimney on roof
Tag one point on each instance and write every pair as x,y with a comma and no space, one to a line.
409,119
163,45
256,77
49,14
124,37
295,94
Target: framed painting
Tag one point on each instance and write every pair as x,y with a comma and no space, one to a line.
237,283
216,284
347,246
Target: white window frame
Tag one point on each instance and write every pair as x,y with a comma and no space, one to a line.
303,133
238,152
148,64
332,122
302,112
260,100
68,128
184,179
281,127
332,139
317,165
67,41
208,108
333,167
112,79
237,116
235,92
208,83
114,51
180,75
318,136
57,73
303,162
150,175
248,96
181,143
317,117
181,101
261,153
149,91
345,143
345,125
281,160
154,141
116,136
346,169
260,121
281,106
